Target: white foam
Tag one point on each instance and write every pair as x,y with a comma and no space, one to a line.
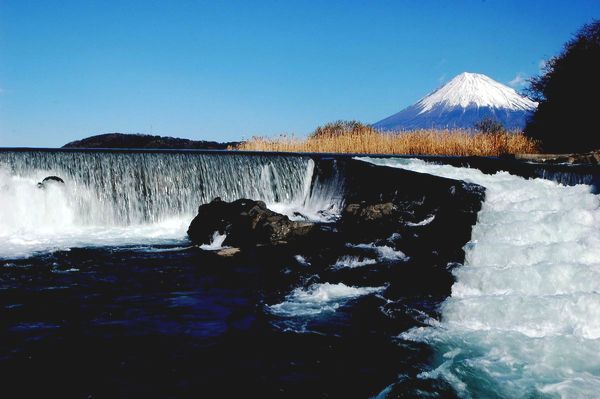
349,261
383,252
423,222
36,220
319,298
45,219
216,243
102,202
302,260
523,319
317,202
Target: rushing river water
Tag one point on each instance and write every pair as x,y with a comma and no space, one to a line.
103,295
116,198
523,319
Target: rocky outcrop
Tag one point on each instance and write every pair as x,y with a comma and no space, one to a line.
363,213
382,201
366,219
246,223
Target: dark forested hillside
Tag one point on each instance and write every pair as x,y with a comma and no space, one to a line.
122,140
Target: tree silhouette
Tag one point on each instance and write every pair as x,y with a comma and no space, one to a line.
568,92
490,126
340,128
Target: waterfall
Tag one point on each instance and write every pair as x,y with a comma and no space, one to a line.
570,178
121,191
523,319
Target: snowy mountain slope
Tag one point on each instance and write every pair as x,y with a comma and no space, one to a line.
462,102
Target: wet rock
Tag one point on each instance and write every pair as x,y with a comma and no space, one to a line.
360,213
50,179
53,178
228,252
246,223
300,215
368,220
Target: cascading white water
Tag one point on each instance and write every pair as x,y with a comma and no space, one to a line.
319,298
523,319
120,198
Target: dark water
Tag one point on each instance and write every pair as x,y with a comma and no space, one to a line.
133,322
170,320
176,321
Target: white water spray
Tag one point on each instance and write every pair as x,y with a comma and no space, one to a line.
118,198
319,298
523,319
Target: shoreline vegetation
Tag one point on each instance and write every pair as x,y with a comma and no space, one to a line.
348,137
127,140
362,139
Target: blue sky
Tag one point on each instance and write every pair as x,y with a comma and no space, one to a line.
229,70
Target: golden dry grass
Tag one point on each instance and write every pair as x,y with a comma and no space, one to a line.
422,142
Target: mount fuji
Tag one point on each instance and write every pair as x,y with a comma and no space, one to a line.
465,100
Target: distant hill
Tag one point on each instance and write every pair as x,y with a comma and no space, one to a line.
462,102
122,140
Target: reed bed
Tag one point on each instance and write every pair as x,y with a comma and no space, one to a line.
422,142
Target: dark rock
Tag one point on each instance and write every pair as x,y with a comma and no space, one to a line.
300,215
53,178
383,201
360,213
371,220
368,221
50,179
246,223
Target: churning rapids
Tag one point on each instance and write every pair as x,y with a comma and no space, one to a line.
523,319
104,296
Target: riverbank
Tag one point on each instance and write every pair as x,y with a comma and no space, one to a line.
588,158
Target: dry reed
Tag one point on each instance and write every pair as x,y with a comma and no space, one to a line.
421,142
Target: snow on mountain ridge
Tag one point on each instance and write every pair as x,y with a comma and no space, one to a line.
474,89
460,104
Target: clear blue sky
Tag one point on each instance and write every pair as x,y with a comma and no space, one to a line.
229,70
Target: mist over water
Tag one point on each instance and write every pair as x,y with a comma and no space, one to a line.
112,198
523,319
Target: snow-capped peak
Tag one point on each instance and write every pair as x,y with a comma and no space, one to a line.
478,90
